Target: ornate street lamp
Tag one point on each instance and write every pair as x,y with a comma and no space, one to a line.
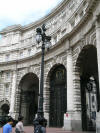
42,37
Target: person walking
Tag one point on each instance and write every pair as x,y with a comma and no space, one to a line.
40,125
7,128
19,126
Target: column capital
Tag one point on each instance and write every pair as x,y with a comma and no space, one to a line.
67,42
14,73
14,70
97,21
69,51
98,17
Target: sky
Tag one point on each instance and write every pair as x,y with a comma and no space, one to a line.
24,11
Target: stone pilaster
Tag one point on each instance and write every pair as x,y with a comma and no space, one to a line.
70,92
46,101
13,92
98,58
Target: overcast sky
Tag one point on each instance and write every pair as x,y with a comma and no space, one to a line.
24,11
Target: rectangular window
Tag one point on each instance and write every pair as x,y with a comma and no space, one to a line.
21,54
1,74
64,16
72,23
7,75
81,14
6,89
63,31
55,39
7,57
29,51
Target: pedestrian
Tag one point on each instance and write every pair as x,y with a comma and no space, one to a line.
39,125
7,128
19,126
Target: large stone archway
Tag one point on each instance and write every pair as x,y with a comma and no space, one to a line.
57,95
29,86
4,108
87,69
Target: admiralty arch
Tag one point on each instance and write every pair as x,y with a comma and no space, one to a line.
71,67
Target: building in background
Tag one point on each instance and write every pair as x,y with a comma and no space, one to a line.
72,67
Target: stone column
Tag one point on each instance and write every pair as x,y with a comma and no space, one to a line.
13,92
98,58
70,92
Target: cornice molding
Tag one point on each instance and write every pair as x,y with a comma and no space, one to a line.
65,37
11,28
39,22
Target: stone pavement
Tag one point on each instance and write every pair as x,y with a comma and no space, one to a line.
29,129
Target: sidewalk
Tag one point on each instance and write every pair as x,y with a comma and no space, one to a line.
29,129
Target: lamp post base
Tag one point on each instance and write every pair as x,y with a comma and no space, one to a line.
40,124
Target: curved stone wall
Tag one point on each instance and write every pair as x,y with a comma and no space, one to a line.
19,42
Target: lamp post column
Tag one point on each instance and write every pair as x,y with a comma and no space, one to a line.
41,37
40,108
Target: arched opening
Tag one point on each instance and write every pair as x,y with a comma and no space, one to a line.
88,70
5,109
29,86
58,96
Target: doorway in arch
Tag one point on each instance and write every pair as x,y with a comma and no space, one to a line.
88,71
58,98
29,88
5,109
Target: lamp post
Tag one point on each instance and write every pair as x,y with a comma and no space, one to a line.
42,37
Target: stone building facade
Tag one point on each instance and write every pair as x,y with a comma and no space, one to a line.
71,71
